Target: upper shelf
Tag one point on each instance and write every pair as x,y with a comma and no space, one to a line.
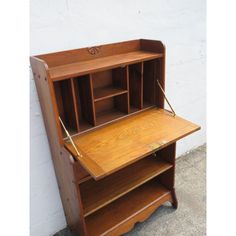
107,92
117,145
99,64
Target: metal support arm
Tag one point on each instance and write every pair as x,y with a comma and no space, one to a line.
166,97
70,138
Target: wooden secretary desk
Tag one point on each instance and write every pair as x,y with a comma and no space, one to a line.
112,142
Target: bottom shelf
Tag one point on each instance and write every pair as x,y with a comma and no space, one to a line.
71,132
134,109
110,115
84,125
147,105
127,210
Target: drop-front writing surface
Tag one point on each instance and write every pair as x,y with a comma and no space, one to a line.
115,146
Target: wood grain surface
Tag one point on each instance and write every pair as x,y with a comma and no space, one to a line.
99,64
117,145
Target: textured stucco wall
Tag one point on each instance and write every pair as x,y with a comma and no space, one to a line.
66,24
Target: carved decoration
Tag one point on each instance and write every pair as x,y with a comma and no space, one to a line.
94,50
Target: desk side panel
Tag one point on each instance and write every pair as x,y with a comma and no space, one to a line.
62,164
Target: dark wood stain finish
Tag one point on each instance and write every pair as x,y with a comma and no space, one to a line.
109,100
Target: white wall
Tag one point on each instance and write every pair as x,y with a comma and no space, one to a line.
67,24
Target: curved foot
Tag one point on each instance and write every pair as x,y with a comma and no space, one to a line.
174,199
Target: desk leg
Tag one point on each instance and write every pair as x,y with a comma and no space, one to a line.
174,201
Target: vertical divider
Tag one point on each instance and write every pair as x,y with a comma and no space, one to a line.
75,98
136,86
128,89
156,76
92,98
160,74
59,101
141,92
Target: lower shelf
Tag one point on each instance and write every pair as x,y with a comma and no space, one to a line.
97,194
120,216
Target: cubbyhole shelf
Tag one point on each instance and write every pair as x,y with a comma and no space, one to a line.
84,102
118,184
75,105
111,108
149,83
107,92
109,83
94,99
66,105
136,86
142,85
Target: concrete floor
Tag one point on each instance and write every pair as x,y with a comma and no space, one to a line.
190,217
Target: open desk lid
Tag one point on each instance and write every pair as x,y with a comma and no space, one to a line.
117,145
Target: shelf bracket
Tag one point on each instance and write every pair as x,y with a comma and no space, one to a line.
70,138
162,90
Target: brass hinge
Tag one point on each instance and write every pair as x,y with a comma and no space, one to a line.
70,138
174,114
